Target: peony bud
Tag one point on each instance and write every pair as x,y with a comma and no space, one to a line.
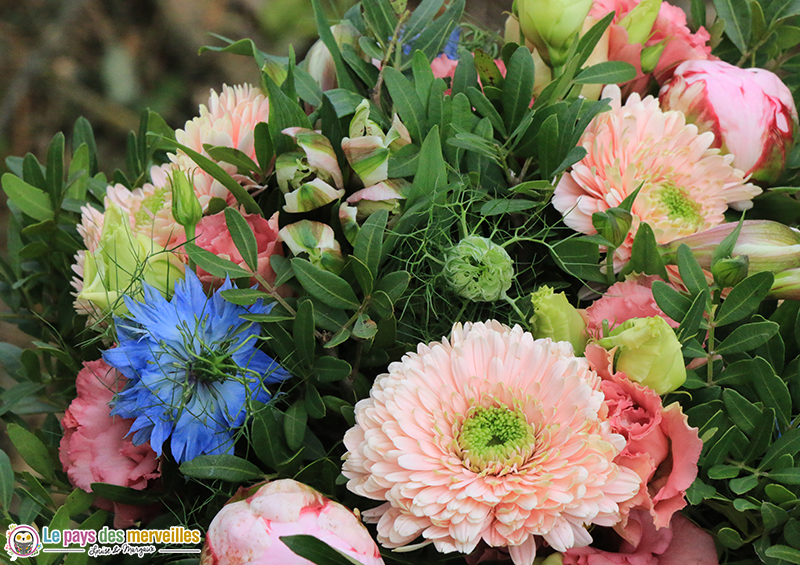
248,529
552,25
319,62
769,246
557,319
122,261
730,272
649,353
750,111
478,269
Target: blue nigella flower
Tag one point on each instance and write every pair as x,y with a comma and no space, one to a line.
450,48
193,367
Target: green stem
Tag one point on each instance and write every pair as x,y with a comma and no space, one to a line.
610,265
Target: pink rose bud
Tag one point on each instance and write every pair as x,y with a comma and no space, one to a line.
249,530
750,111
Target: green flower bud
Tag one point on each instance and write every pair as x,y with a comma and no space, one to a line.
651,55
639,21
557,319
613,224
186,207
552,25
478,269
122,262
730,272
649,353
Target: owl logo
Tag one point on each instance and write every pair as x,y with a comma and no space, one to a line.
22,541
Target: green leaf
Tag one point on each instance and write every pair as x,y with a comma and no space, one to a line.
423,75
303,333
124,495
78,502
762,436
394,284
518,87
243,237
268,437
730,538
672,303
244,296
406,103
330,289
233,156
6,481
364,327
326,35
609,72
55,168
747,337
59,522
772,391
28,198
32,450
363,276
548,151
788,443
431,171
465,75
381,304
435,34
339,338
725,248
223,467
743,485
381,19
329,369
737,17
263,145
773,515
214,264
779,494
589,40
313,402
294,425
500,206
691,272
778,10
744,413
744,298
284,113
314,549
486,109
790,476
421,17
369,241
783,552
645,257
82,133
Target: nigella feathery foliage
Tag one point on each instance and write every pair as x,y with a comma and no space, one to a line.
194,367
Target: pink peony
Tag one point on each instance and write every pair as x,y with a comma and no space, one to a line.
669,30
750,112
682,543
213,235
686,184
228,120
632,298
489,435
661,446
95,448
248,528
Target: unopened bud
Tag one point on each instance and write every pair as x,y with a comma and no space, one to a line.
186,207
730,272
613,225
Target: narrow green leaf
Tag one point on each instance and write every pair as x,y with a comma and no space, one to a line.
431,170
381,18
243,237
6,482
268,436
125,495
330,369
486,109
691,272
27,198
32,450
645,257
518,87
422,16
762,436
394,284
365,279
223,467
671,302
326,35
778,10
784,553
284,113
743,412
423,75
790,476
788,443
589,40
82,133
369,241
406,102
303,333
435,35
744,298
55,168
232,156
736,15
324,285
772,391
263,145
548,151
59,522
313,402
244,296
747,337
609,72
294,425
214,264
725,248
690,325
465,75
316,550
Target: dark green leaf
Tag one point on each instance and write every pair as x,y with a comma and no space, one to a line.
316,550
691,272
214,264
223,467
303,333
465,75
124,495
518,87
609,72
737,17
422,16
772,391
394,284
365,279
671,302
243,296
313,402
762,436
788,443
743,412
339,338
243,237
294,425
406,102
423,75
284,113
233,156
690,325
645,257
326,35
27,198
790,476
6,482
268,437
32,450
82,133
263,145
330,369
330,289
381,304
59,523
381,19
778,10
431,170
55,168
744,298
548,151
783,552
730,538
369,241
435,35
743,485
486,108
725,248
747,337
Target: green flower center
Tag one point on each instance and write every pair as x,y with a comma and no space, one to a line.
213,367
494,439
678,205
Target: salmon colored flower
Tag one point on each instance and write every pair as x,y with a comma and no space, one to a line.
686,184
489,435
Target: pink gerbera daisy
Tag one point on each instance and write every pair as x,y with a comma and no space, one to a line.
686,185
229,120
490,435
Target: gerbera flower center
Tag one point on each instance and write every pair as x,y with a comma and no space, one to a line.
495,438
678,206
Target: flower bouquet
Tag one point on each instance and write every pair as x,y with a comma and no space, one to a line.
426,296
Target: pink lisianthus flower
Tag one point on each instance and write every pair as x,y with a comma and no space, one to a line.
750,112
213,235
669,30
631,298
95,448
681,543
248,529
660,446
